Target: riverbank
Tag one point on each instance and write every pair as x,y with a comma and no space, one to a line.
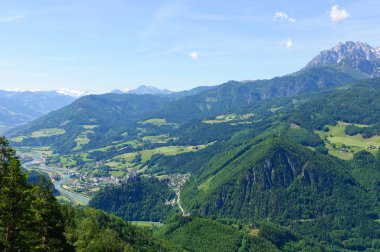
38,164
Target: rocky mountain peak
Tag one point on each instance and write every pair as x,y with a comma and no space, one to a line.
358,55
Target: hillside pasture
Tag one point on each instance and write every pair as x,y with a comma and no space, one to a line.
344,146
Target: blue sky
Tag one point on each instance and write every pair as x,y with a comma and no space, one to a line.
103,45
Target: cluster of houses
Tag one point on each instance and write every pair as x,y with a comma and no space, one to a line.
81,183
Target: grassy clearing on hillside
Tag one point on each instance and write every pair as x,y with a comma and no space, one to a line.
127,160
274,109
38,134
205,185
67,161
229,118
127,156
36,152
81,140
117,173
90,126
147,224
18,139
164,138
134,143
222,119
169,151
294,126
84,157
344,146
47,132
159,122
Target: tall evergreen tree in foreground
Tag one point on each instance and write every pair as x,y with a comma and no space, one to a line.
30,217
47,219
14,200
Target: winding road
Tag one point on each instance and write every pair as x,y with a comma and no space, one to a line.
178,193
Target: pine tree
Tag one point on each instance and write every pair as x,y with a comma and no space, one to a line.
30,216
14,200
48,222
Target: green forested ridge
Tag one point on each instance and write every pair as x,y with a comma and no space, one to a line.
93,230
274,168
108,114
367,132
34,177
366,170
285,183
233,95
352,103
201,234
142,199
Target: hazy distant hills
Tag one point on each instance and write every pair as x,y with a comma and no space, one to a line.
359,56
141,90
21,107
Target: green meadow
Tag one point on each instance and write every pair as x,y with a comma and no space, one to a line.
344,146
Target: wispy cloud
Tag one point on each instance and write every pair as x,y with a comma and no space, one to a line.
194,55
11,19
287,43
337,14
283,15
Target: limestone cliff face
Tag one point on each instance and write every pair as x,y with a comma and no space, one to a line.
359,56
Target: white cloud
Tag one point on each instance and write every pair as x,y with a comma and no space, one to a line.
194,55
287,43
337,14
283,15
10,19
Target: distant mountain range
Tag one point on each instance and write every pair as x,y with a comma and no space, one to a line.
359,56
141,90
19,107
73,92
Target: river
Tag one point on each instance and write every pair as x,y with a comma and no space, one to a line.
37,164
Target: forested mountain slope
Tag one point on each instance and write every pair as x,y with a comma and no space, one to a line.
18,108
141,199
356,103
286,183
201,234
233,96
101,118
